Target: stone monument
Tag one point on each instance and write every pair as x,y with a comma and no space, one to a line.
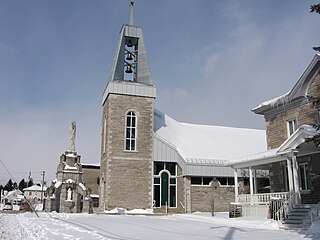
67,192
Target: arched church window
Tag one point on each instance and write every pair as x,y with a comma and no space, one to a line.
165,184
131,131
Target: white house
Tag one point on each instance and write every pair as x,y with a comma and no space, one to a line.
35,193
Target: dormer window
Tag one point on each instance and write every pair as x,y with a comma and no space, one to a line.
291,127
131,123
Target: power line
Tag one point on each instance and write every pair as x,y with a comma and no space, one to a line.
20,172
7,171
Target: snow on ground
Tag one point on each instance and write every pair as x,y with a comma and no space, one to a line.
199,226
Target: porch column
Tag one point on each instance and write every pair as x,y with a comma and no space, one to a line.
235,185
255,185
251,185
295,179
290,176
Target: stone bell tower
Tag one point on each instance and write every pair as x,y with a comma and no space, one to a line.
127,125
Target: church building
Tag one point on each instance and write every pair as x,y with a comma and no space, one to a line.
151,161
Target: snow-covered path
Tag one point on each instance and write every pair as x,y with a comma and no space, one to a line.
121,227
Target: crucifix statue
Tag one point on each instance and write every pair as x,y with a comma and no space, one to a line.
72,131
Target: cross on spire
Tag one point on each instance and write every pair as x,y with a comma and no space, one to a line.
131,13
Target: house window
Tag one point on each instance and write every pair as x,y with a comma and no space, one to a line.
200,180
226,181
131,123
304,175
291,127
95,202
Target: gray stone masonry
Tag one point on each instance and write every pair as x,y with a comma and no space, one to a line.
187,192
50,204
305,114
69,176
204,197
90,178
87,206
127,174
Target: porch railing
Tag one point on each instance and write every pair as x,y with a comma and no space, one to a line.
261,198
284,210
315,213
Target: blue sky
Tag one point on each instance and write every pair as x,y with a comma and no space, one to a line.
212,62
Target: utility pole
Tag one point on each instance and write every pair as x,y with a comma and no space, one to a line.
42,174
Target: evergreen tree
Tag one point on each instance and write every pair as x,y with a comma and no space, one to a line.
315,8
30,182
22,184
9,186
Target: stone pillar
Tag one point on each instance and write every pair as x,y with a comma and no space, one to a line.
87,205
187,183
50,204
235,185
251,185
68,206
296,179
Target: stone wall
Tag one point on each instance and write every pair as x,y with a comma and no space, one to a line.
308,196
91,177
180,192
187,192
277,126
304,114
127,174
202,197
312,195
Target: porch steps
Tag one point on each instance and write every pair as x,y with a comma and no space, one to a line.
298,218
235,210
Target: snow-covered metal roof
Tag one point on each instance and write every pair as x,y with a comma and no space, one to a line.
205,144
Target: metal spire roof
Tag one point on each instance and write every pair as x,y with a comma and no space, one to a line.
130,72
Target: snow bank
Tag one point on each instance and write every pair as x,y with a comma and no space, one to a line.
200,226
133,211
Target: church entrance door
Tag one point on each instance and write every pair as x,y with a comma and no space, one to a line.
164,188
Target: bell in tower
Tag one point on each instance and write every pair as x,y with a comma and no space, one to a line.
130,62
127,125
